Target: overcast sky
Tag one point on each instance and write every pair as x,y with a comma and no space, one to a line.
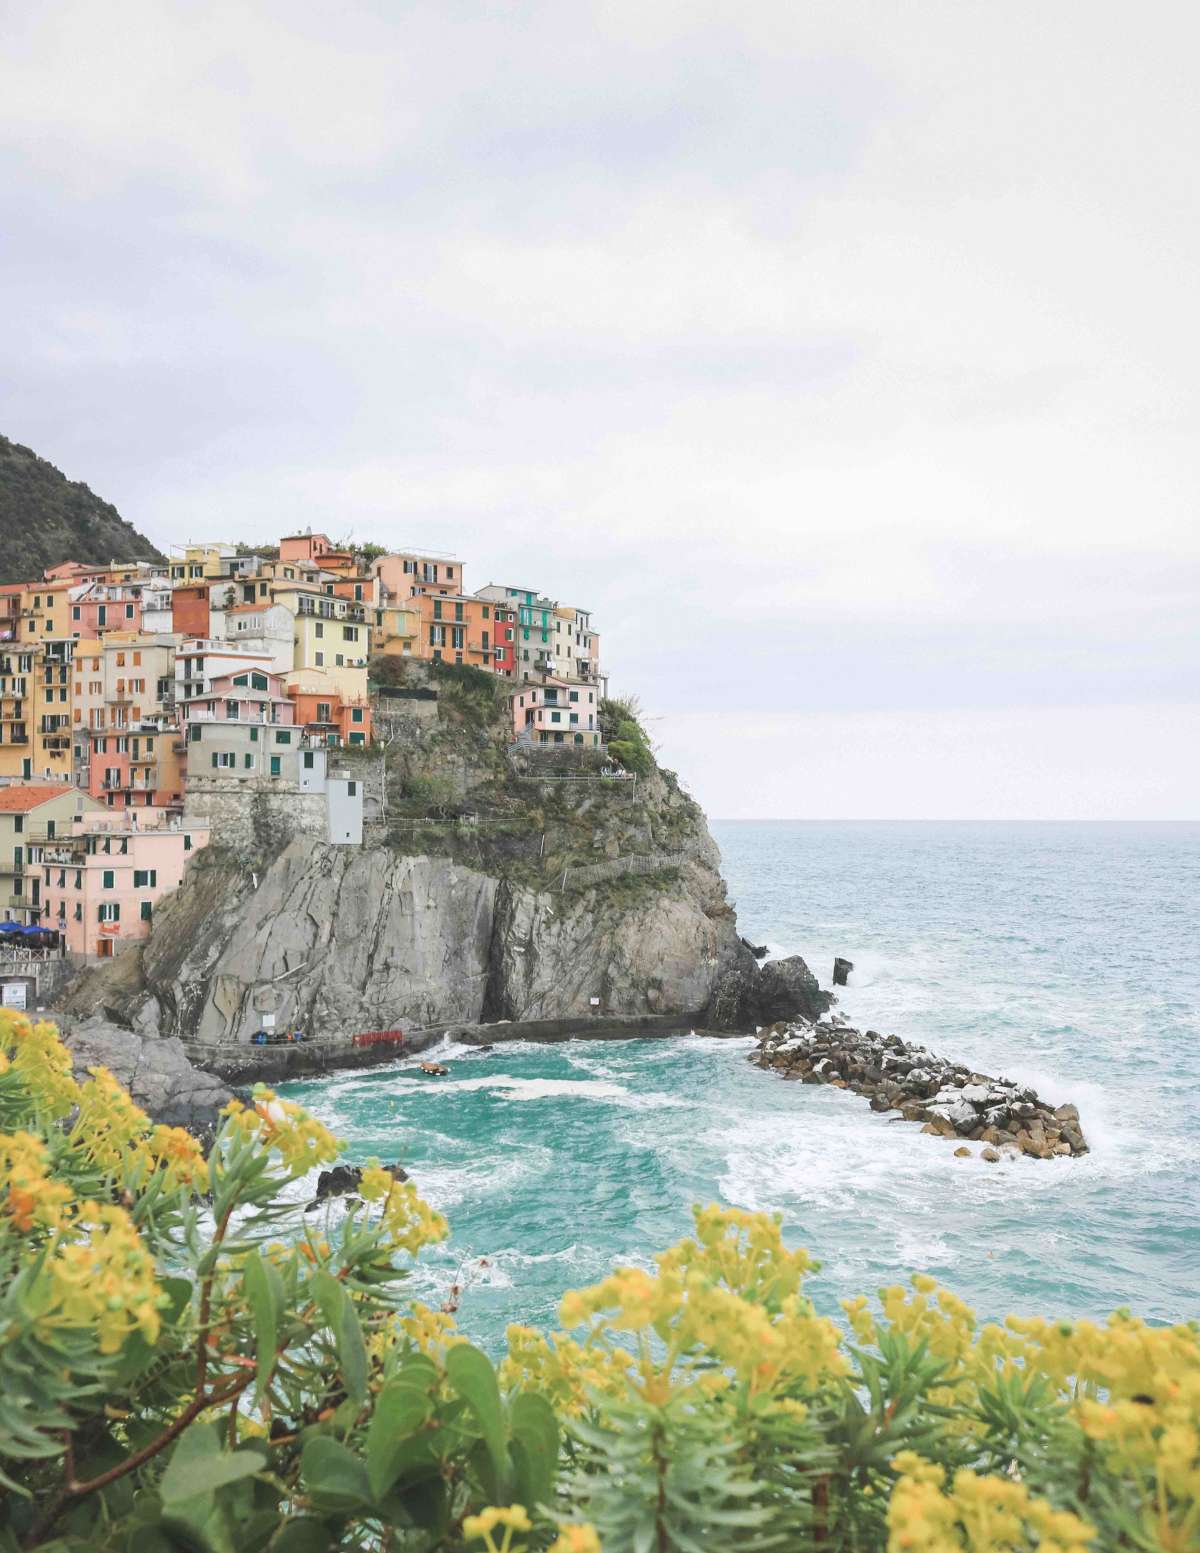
842,358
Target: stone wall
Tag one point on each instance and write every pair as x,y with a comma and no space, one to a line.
255,817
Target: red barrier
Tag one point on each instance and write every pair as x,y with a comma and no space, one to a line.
379,1038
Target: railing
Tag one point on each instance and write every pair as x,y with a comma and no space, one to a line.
619,867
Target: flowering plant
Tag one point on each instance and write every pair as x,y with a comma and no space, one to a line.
190,1363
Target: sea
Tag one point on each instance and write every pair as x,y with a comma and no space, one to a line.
1066,956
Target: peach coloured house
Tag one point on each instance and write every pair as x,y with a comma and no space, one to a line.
105,606
317,549
407,569
101,883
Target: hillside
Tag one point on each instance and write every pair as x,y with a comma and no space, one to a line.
490,886
46,518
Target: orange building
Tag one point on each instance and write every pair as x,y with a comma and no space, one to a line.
190,609
317,549
455,628
408,569
46,611
325,712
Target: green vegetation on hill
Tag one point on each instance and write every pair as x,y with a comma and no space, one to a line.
46,519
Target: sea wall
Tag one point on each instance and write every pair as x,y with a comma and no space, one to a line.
948,1099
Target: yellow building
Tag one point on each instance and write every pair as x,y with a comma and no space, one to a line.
45,611
396,630
201,561
332,634
36,712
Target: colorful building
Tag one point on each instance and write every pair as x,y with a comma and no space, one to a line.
454,628
330,633
32,812
101,882
534,644
556,711
406,569
316,549
324,713
190,614
396,628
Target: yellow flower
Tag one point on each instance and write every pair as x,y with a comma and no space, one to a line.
32,1198
104,1280
433,1331
480,1527
300,1140
578,1538
410,1222
179,1156
108,1123
39,1060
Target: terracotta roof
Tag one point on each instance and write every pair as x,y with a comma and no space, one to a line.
23,796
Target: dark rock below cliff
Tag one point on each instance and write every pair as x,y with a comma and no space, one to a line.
754,995
155,1070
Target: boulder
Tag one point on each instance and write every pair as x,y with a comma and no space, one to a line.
841,971
991,1155
751,996
963,1153
154,1068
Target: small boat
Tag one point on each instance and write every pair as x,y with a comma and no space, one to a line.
433,1069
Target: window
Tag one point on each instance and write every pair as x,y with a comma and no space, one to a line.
339,661
146,910
145,878
254,735
487,614
110,911
109,879
18,823
556,717
349,633
574,695
320,659
259,682
356,714
352,789
458,612
187,843
283,737
248,762
275,765
232,711
437,609
309,760
320,629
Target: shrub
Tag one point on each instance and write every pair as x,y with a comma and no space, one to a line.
627,739
189,1364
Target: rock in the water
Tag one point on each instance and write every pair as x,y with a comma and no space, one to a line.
344,1181
759,951
762,995
991,1155
155,1070
963,1153
841,971
949,1100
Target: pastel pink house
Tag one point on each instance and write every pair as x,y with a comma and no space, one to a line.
100,884
99,607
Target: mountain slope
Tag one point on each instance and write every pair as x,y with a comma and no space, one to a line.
46,518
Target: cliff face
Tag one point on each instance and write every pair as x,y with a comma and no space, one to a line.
487,890
335,940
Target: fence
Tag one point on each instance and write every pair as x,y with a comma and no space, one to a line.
619,867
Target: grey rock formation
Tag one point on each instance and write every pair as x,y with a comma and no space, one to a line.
951,1101
154,1069
751,995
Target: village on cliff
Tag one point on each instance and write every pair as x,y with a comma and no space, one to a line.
143,707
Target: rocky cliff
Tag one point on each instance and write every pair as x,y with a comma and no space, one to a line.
488,890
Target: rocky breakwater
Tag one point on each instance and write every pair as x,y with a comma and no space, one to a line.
950,1100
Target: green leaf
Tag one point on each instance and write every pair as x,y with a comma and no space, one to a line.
335,1478
302,1536
199,1466
342,1320
472,1376
535,1444
400,1411
264,1291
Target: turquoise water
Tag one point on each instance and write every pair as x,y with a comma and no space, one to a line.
1066,956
